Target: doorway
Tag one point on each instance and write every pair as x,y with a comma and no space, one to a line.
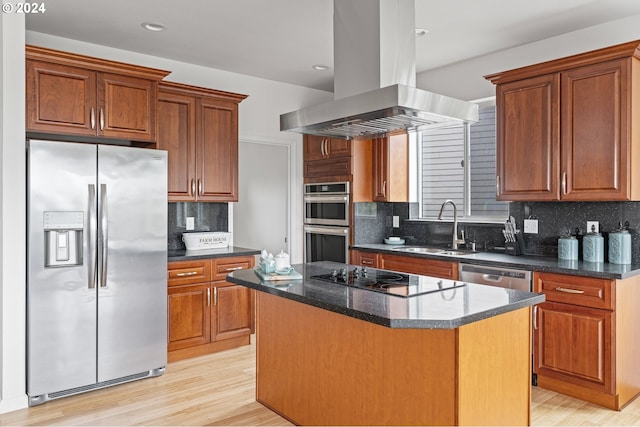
261,216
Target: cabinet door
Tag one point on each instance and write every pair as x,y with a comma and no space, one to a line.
527,144
574,344
391,168
320,147
127,107
314,147
380,169
426,267
333,169
595,143
177,135
60,99
189,316
232,314
217,151
338,147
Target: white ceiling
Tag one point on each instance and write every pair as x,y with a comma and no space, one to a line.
281,39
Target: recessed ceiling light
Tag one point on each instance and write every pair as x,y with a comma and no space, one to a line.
320,67
152,26
421,32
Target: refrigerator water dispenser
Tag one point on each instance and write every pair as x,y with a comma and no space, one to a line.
63,238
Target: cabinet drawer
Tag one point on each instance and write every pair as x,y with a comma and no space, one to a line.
584,291
186,272
414,265
327,167
224,266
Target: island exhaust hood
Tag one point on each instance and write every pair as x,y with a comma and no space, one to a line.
375,77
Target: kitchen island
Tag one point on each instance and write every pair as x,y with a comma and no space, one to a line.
330,354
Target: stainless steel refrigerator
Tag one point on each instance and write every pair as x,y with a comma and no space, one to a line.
96,267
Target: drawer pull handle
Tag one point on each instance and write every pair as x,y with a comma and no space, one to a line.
188,273
569,291
232,269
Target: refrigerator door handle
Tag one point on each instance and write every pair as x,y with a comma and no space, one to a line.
91,237
104,231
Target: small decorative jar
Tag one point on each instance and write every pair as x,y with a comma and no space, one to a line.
593,247
620,247
568,248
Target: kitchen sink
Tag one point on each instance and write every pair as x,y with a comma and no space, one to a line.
420,249
432,251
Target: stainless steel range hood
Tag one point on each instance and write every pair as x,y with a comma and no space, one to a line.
374,80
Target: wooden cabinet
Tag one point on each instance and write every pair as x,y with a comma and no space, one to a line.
199,129
585,337
205,312
406,264
320,147
391,168
417,265
364,259
78,95
565,129
527,160
326,158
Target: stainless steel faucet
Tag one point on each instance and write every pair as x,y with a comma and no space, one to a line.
455,241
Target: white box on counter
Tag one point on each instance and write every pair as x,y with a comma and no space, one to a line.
206,240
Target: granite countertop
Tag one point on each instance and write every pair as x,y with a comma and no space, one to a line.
533,263
185,255
446,309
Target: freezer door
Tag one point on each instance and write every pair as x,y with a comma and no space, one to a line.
61,287
132,276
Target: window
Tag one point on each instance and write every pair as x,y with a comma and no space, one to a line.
459,163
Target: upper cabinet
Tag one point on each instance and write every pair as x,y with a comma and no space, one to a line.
199,129
320,147
79,95
326,158
391,168
565,128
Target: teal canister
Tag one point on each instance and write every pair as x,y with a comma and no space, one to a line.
593,247
620,247
568,248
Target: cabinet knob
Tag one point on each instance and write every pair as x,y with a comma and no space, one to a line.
564,183
102,119
193,187
92,118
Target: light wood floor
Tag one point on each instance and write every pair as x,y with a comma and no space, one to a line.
219,389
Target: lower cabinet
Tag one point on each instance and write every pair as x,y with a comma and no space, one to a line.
205,312
586,337
406,264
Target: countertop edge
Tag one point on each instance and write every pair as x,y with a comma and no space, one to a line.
525,262
390,322
230,251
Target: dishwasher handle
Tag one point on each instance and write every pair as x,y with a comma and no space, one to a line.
492,277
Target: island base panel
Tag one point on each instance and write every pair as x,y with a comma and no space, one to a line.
316,367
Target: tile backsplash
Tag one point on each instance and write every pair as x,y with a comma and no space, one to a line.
207,217
373,222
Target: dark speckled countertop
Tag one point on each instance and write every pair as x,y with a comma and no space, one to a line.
185,255
533,263
446,309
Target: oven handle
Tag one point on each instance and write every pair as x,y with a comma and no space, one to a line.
336,231
326,198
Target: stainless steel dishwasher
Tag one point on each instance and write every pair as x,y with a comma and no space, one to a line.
495,276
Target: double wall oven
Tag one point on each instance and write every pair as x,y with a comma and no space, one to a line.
326,222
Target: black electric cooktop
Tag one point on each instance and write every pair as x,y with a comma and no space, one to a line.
388,282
